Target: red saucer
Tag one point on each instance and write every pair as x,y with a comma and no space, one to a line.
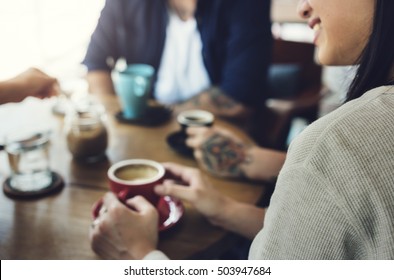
170,211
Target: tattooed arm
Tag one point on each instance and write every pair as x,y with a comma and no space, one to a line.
217,102
223,154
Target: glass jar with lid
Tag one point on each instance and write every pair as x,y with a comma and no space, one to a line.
86,133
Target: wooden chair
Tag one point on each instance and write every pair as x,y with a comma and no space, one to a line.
274,120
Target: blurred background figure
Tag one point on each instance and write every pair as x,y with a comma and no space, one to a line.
32,82
212,55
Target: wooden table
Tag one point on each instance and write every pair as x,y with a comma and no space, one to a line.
56,226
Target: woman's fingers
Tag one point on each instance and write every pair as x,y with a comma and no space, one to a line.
170,188
186,174
197,136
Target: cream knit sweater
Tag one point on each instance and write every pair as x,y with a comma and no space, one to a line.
334,197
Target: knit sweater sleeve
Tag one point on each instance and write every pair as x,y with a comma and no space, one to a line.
304,222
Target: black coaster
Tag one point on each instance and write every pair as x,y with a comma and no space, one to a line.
176,141
56,185
154,116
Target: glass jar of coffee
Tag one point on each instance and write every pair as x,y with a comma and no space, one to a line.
86,133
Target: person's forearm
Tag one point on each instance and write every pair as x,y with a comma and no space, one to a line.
244,219
262,164
100,82
10,92
217,102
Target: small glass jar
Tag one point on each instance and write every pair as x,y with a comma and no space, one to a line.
86,133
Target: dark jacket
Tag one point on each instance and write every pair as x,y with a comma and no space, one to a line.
236,37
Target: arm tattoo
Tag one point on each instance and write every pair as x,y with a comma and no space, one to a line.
211,99
223,156
220,100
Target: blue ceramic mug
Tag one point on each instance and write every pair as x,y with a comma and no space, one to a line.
132,86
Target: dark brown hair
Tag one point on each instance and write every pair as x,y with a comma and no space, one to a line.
377,60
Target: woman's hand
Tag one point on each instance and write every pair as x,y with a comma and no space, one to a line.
218,151
220,210
123,233
190,186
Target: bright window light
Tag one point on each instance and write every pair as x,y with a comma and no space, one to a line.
49,34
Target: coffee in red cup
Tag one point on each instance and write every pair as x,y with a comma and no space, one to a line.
133,177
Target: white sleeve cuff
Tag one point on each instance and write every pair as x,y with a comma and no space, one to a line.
156,255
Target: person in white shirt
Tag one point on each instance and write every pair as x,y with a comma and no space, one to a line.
206,54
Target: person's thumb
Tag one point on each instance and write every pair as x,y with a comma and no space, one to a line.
169,187
140,204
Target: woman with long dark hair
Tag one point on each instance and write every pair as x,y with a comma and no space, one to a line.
334,197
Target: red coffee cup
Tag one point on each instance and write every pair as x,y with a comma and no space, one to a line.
133,177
